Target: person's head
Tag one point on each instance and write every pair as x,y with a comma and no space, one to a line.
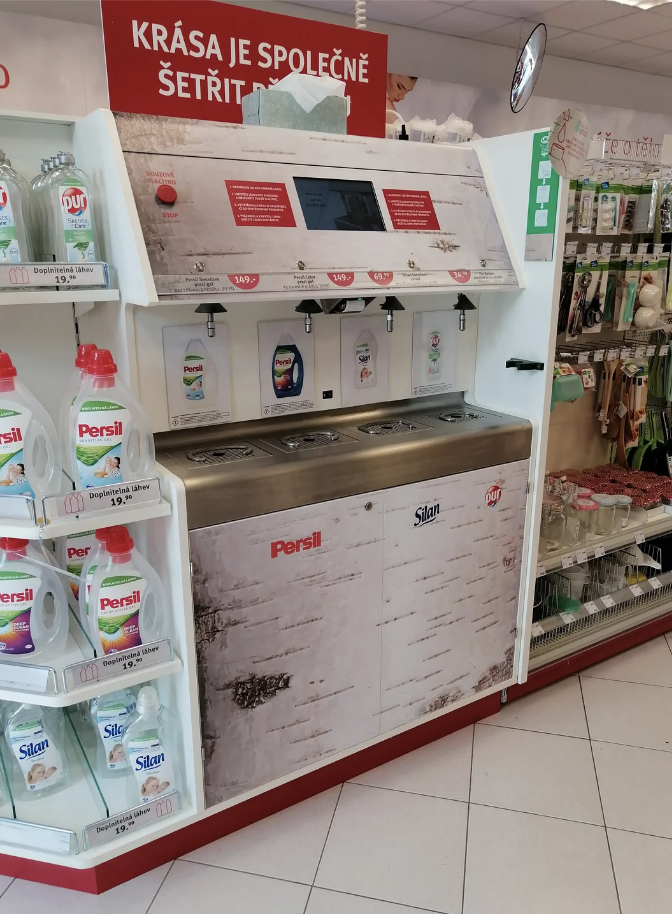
36,773
399,86
21,469
116,754
150,787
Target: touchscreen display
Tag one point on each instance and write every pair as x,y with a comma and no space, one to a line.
336,205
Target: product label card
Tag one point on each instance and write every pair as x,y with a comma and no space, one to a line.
9,245
17,595
434,352
100,433
364,359
110,718
152,768
118,612
76,218
13,425
286,367
197,375
40,761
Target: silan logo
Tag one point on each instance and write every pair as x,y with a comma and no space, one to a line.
101,431
289,547
10,437
492,496
113,731
147,762
426,515
74,201
32,749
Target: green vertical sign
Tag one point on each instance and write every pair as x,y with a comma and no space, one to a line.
542,206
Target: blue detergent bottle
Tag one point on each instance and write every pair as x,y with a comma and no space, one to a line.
287,368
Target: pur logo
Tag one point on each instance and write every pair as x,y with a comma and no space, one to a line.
74,202
289,547
101,431
24,596
492,496
426,515
14,434
121,603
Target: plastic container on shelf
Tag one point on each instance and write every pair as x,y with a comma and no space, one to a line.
73,387
15,241
606,514
110,438
35,738
108,715
87,572
29,461
69,227
150,745
34,618
127,601
72,552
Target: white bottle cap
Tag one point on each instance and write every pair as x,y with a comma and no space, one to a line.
148,702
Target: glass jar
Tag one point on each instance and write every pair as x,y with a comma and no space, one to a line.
606,514
587,511
574,531
623,503
552,534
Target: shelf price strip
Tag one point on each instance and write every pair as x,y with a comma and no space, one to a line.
131,820
101,499
85,671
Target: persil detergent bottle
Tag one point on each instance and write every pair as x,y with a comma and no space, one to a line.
29,462
86,576
110,440
73,387
33,606
127,602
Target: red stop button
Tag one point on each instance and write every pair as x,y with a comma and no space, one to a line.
166,193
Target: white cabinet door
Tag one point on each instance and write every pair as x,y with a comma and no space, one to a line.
451,584
288,613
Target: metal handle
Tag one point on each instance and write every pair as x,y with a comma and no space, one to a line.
524,365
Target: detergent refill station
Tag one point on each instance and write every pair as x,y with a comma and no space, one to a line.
298,550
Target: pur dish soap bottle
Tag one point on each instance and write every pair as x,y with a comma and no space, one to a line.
150,746
287,369
15,243
29,462
110,439
434,356
70,231
35,738
73,387
366,356
127,602
109,715
34,610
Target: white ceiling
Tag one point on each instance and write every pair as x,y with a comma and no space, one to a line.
598,31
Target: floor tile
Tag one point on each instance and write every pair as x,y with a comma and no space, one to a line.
556,709
643,867
649,663
398,847
211,890
323,901
635,788
5,882
519,864
535,772
441,769
287,845
132,897
628,713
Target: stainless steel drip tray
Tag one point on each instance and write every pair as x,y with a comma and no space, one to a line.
218,455
309,440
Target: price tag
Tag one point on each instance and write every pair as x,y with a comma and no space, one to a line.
567,561
625,353
537,631
608,601
583,358
655,583
605,250
612,354
643,248
80,674
571,248
640,352
591,251
650,350
665,348
581,556
599,552
598,355
658,249
47,275
132,820
28,678
101,499
640,538
38,837
591,608
568,618
636,590
541,571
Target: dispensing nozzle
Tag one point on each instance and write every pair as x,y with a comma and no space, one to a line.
308,307
211,308
391,304
463,305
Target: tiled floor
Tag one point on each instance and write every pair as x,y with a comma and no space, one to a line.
560,803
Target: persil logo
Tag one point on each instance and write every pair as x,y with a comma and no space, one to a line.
100,431
14,434
289,547
24,596
492,496
426,515
74,553
121,602
3,198
193,369
74,201
283,363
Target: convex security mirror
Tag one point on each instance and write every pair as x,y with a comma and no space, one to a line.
528,68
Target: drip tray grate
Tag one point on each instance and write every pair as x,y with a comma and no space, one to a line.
457,415
391,427
308,440
224,454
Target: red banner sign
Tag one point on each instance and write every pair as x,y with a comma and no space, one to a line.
411,210
257,203
198,58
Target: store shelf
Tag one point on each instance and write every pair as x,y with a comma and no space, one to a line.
49,297
656,525
65,526
562,635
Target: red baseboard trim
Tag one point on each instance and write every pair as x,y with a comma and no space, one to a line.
546,675
134,863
